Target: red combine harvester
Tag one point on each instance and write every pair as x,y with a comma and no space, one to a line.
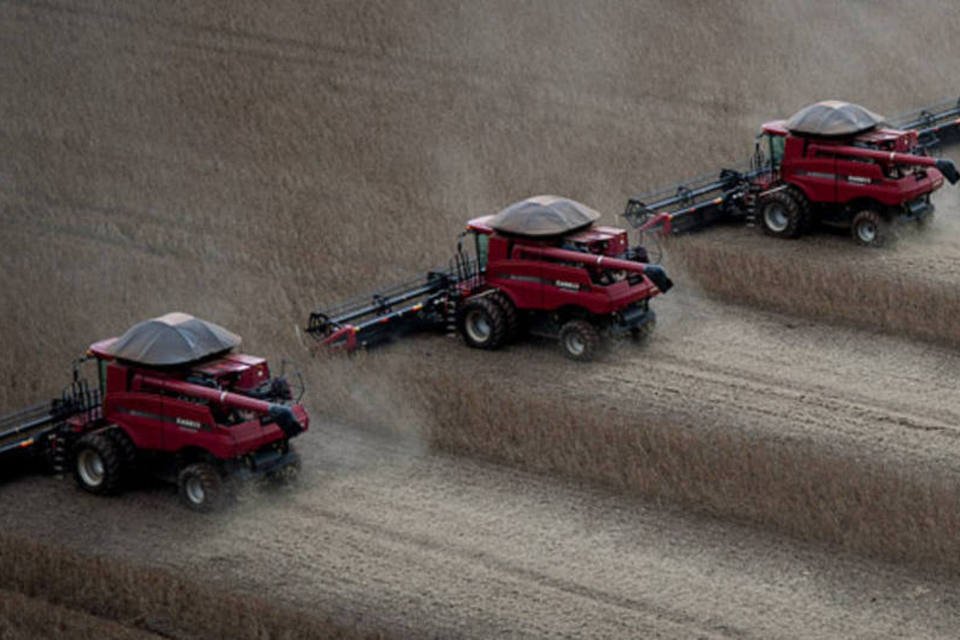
172,397
540,266
833,164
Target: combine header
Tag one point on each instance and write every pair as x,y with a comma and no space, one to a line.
171,398
833,163
32,430
540,266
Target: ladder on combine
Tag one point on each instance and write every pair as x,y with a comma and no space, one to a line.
34,428
709,198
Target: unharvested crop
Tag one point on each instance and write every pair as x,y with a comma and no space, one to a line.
876,294
810,491
136,602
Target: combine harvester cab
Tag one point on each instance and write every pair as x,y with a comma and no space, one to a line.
174,398
833,164
538,267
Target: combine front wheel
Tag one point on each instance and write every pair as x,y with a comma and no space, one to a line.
781,214
510,316
869,228
97,464
482,323
580,340
126,450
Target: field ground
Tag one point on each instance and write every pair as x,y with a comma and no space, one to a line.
784,468
444,546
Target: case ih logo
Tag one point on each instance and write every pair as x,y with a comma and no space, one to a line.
188,424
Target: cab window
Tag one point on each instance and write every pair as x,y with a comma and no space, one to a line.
102,375
777,144
483,243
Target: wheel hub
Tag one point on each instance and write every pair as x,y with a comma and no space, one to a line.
194,490
478,326
90,466
575,344
867,231
775,217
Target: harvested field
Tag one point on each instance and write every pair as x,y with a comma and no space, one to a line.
437,546
245,165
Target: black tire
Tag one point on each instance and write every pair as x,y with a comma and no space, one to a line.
125,449
201,487
510,316
579,340
806,217
783,214
869,229
97,464
482,323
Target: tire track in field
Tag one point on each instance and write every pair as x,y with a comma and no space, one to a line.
446,547
618,604
740,371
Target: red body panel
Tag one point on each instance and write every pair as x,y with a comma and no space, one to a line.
874,165
539,275
244,371
160,411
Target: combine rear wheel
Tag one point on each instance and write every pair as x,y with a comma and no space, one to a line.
579,340
869,228
201,487
782,214
97,464
482,323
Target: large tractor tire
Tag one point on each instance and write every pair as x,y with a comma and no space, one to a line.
510,315
125,449
98,464
201,487
869,229
783,214
580,340
482,323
